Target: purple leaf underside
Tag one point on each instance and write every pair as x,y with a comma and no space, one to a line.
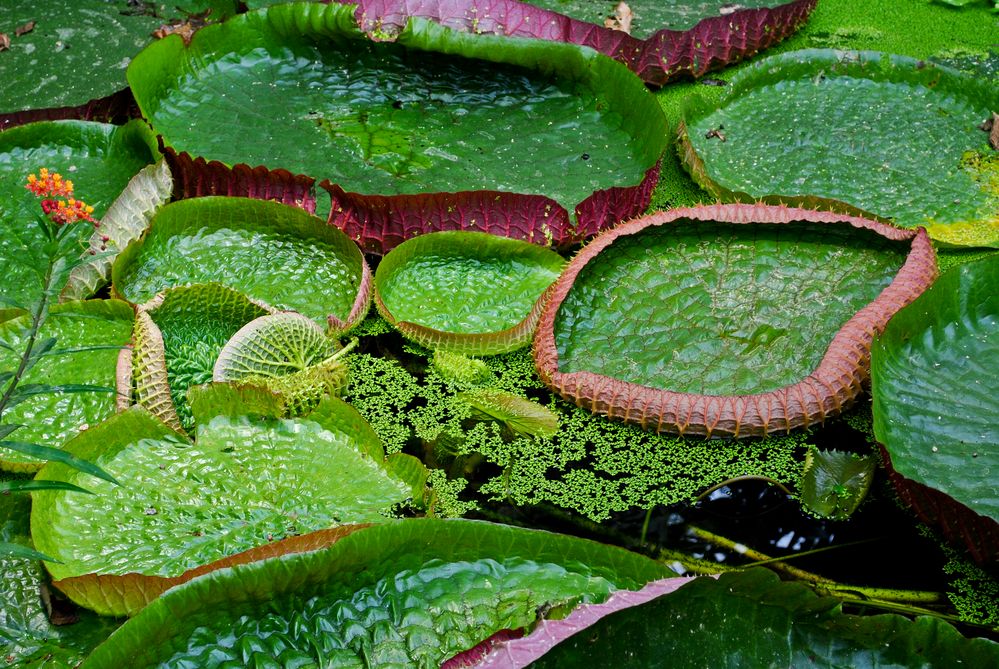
379,223
667,55
116,108
511,651
197,177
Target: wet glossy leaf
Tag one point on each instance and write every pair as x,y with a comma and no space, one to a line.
406,594
684,38
722,320
77,50
50,416
933,385
888,135
28,639
56,455
270,252
721,623
468,292
99,159
484,117
245,482
835,482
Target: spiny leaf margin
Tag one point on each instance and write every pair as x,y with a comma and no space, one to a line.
825,392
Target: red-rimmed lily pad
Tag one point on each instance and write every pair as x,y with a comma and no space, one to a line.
410,593
272,253
99,159
729,319
467,292
434,112
896,137
131,592
668,40
933,381
245,481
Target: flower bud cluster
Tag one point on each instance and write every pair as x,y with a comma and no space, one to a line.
51,185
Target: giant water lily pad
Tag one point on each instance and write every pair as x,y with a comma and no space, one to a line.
245,481
27,635
178,337
672,39
53,418
727,320
466,291
717,623
933,378
407,594
99,159
271,252
436,111
892,136
66,52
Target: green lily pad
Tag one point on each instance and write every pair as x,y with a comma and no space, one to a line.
28,638
178,338
434,111
933,374
468,292
244,482
410,594
99,159
77,50
888,135
51,419
718,623
727,320
270,252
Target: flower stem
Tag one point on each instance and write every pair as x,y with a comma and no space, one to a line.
37,320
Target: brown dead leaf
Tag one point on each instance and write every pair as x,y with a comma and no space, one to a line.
185,29
4,42
620,19
25,29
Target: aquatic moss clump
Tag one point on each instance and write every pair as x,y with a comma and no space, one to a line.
596,467
592,466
